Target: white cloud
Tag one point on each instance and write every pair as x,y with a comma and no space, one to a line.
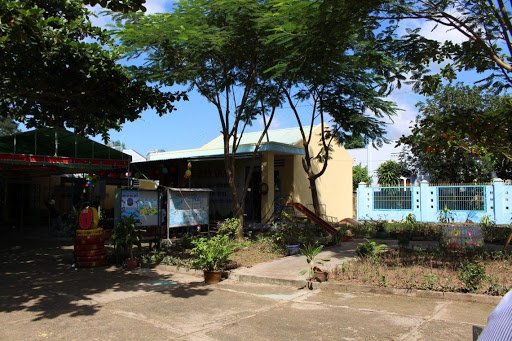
276,123
401,123
158,6
429,30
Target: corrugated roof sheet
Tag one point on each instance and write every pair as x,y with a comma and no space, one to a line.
280,140
284,136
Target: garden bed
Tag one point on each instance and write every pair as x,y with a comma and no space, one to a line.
465,270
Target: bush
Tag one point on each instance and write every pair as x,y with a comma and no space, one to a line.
367,229
230,227
472,275
369,249
212,254
496,234
414,231
360,174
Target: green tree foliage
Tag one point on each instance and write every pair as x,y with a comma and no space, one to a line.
360,174
8,126
331,60
119,145
217,48
354,142
56,69
124,6
389,173
488,48
460,132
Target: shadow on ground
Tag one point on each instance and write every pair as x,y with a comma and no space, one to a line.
37,276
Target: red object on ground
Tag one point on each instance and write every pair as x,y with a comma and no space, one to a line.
88,247
99,258
86,218
89,240
314,218
90,253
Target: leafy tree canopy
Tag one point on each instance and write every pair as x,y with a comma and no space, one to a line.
459,135
355,142
360,174
55,69
488,45
331,59
389,173
8,126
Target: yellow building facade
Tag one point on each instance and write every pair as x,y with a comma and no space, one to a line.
278,175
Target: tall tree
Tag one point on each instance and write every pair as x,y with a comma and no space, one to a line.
332,59
56,69
215,47
460,132
484,23
8,126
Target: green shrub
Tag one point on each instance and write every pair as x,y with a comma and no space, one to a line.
186,241
471,275
430,282
212,254
360,174
230,227
414,231
367,229
496,234
369,249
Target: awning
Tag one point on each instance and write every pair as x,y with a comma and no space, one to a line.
48,151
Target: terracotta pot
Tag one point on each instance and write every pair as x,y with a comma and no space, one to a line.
131,263
212,277
321,276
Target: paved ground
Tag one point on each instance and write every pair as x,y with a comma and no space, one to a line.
42,297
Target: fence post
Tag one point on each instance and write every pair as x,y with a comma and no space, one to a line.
499,204
361,200
427,205
416,201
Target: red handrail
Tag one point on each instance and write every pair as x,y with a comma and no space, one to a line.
314,218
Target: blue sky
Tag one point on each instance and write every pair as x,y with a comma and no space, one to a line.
196,122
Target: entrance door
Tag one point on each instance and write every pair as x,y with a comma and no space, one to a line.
253,197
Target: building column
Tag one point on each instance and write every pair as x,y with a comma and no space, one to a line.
267,177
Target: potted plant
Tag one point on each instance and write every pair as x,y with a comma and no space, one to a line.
124,234
311,251
212,256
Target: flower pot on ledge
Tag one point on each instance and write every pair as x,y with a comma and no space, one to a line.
212,277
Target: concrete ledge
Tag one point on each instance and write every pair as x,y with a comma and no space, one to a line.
180,269
452,296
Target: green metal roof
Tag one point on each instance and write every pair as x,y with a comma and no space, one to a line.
280,141
242,149
42,142
288,136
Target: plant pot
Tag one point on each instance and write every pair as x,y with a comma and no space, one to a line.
131,263
321,276
212,277
293,249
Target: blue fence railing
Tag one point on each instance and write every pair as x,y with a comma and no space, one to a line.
466,202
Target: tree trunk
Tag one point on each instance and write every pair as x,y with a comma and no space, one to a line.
314,195
238,207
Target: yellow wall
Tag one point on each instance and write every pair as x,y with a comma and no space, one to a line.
334,186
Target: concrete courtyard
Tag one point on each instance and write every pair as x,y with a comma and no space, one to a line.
43,298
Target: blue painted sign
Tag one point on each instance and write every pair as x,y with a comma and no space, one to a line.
187,207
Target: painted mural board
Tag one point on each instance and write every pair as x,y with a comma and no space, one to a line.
463,235
187,207
142,205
